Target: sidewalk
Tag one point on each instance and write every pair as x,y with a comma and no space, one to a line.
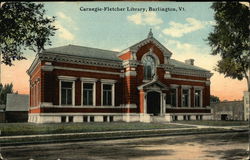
88,133
203,126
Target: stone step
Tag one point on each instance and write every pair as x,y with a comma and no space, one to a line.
159,119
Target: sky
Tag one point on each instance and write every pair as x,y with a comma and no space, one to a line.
181,27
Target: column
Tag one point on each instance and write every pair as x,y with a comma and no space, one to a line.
142,100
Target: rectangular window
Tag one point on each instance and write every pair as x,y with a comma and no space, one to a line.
173,97
88,93
66,93
107,95
197,98
185,97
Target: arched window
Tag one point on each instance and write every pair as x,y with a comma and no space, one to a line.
149,67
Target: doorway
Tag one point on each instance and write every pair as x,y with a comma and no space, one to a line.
153,103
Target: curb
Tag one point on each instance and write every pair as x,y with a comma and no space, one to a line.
119,137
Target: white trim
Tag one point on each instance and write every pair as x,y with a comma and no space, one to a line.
108,82
34,65
67,78
151,53
176,96
198,87
186,86
130,73
48,56
174,85
47,68
87,79
94,92
87,70
201,100
189,97
60,90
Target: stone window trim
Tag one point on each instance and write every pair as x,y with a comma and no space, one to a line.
67,79
92,81
109,82
189,96
201,95
151,54
176,95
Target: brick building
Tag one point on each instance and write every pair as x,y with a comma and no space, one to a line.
141,83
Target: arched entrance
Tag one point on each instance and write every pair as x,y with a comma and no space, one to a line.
153,103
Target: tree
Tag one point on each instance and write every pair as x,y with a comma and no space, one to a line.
4,90
230,39
214,99
23,25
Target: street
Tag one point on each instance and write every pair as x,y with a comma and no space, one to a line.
229,146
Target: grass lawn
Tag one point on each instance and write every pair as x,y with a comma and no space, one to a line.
215,123
8,129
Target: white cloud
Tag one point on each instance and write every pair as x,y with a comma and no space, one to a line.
67,20
183,51
179,29
147,18
64,17
63,32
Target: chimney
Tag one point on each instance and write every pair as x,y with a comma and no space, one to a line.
189,61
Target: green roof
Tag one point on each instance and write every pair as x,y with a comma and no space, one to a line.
101,54
86,52
179,64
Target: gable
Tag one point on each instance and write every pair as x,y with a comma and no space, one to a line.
152,49
153,85
137,50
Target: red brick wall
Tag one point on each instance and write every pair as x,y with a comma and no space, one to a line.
125,56
78,92
35,91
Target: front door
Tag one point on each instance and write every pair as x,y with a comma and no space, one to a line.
153,103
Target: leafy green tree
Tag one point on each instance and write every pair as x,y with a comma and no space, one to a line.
4,90
23,25
214,99
230,39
